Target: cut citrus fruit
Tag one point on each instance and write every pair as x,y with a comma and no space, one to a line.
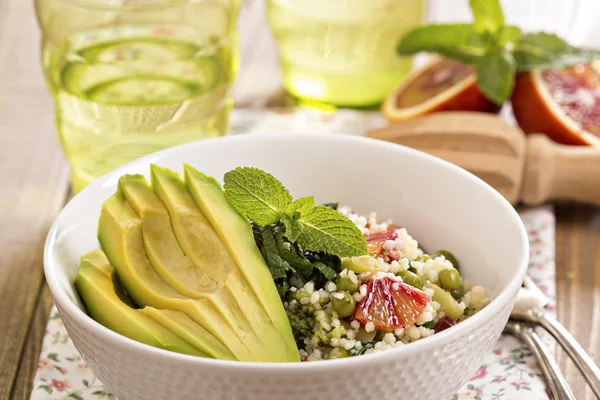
563,104
390,304
441,85
376,240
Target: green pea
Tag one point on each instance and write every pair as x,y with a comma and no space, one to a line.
412,279
449,256
345,306
338,352
347,284
423,258
458,293
449,279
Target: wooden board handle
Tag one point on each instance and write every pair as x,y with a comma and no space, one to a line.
560,172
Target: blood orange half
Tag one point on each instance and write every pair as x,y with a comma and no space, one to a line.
563,104
441,85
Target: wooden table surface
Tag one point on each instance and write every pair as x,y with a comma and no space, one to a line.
34,186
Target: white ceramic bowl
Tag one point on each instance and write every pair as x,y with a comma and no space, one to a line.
441,205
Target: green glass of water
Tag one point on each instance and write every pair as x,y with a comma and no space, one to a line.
130,77
342,52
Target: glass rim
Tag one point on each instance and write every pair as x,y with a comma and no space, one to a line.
125,4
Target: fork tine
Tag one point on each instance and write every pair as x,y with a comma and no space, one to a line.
555,380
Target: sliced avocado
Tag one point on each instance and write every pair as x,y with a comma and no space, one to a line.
236,233
161,246
192,229
109,305
202,245
189,330
120,235
173,265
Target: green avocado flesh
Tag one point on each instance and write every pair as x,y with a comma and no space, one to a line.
186,328
199,240
106,302
161,246
236,234
170,254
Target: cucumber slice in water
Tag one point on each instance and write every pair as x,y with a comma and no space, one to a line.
141,72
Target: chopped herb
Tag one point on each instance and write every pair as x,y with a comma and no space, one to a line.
428,325
332,205
367,346
288,262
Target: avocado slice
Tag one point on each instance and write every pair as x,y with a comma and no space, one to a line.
161,246
192,229
120,235
189,330
109,305
235,232
169,260
200,242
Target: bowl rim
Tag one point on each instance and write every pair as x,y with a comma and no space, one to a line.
496,304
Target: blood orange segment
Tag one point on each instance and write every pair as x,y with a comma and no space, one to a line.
563,104
390,304
376,240
441,85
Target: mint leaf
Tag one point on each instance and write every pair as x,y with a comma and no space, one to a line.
303,205
292,214
286,261
292,226
496,74
328,272
459,41
256,194
260,197
325,229
487,14
300,264
508,35
548,51
269,250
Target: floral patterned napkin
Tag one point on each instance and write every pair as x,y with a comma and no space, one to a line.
509,372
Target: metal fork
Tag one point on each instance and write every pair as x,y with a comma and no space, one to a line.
530,307
557,384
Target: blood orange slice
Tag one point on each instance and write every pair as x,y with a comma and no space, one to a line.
390,304
563,104
441,85
376,240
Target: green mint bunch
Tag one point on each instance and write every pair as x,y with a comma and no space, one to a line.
497,50
259,196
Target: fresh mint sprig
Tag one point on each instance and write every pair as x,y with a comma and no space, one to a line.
259,196
497,50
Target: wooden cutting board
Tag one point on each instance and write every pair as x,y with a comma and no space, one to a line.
524,168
